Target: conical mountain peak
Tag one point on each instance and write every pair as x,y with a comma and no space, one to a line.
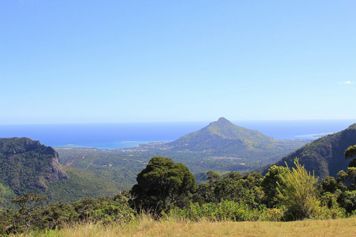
221,122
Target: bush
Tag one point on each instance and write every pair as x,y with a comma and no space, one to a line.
347,200
272,214
103,210
298,193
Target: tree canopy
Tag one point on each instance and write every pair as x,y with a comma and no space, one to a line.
351,152
162,185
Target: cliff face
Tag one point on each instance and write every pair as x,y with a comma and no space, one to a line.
28,166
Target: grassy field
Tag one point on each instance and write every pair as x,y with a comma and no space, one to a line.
147,227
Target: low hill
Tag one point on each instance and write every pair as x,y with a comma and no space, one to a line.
325,156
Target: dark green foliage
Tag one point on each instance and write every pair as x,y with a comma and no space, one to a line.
270,183
329,200
27,166
233,186
329,184
347,200
347,179
352,163
162,185
28,201
351,152
103,210
212,176
340,192
325,156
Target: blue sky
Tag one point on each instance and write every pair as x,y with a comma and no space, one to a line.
144,61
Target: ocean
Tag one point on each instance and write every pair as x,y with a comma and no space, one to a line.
111,136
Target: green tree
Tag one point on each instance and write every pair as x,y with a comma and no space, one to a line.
162,185
329,184
272,179
244,189
347,178
351,152
347,200
298,193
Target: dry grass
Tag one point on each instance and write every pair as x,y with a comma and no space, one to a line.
146,227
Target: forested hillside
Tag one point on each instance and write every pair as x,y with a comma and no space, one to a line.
27,166
325,156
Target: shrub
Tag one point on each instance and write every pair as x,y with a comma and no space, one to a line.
103,210
272,214
347,200
298,193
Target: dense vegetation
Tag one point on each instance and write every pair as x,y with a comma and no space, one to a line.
324,156
31,215
168,189
220,146
30,167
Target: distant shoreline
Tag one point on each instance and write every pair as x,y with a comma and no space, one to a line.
118,136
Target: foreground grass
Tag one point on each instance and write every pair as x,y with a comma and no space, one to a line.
146,227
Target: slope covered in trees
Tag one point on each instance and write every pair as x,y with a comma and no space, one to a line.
30,167
325,156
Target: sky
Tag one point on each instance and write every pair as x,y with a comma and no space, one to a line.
88,61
